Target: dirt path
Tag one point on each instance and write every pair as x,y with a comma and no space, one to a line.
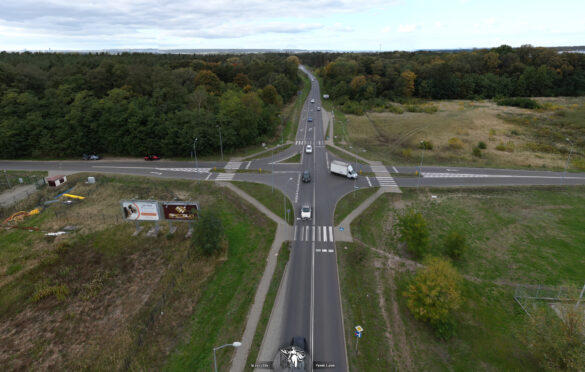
15,194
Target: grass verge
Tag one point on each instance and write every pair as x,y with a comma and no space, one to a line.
281,262
266,154
515,236
292,113
350,202
293,159
273,200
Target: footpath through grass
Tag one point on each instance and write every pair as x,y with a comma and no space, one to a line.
274,200
281,262
515,236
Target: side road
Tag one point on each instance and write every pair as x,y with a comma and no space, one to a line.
283,233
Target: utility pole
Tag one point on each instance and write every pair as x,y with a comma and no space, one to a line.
568,159
195,152
220,144
423,145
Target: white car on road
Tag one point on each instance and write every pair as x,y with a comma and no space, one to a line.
309,149
306,212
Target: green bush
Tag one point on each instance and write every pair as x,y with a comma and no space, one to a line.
540,147
454,244
407,153
501,147
455,143
519,102
208,234
59,291
427,145
476,152
413,231
394,109
482,145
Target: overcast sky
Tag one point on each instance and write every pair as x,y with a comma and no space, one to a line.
288,24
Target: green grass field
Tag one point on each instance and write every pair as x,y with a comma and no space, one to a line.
102,299
350,202
273,200
515,236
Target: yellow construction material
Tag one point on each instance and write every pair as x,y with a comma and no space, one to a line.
74,196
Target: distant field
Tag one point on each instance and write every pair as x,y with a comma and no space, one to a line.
514,137
100,299
516,236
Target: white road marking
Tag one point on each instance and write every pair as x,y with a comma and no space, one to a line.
331,233
395,170
325,234
157,173
369,182
317,250
248,166
386,181
313,229
295,233
298,187
208,175
233,165
225,176
331,251
318,234
307,233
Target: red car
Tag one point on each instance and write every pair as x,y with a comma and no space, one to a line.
152,157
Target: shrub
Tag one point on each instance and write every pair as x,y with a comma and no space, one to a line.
395,109
514,132
492,132
482,145
208,234
501,147
352,107
540,147
519,102
413,231
454,244
407,153
434,293
476,152
44,291
427,145
455,143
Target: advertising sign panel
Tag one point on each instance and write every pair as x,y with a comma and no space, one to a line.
180,211
140,210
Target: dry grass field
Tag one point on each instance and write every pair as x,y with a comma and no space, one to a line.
514,137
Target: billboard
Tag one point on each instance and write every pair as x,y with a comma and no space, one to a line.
180,211
140,210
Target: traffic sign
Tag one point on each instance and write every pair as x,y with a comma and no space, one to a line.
359,328
358,334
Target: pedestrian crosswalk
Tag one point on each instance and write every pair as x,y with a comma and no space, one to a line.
191,170
303,142
379,169
225,176
233,165
313,233
386,181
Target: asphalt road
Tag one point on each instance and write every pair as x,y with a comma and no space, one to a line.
312,300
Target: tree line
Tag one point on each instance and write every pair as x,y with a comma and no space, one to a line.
370,78
65,104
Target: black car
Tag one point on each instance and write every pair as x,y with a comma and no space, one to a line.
306,176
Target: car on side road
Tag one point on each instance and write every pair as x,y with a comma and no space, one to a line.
306,176
91,157
306,212
152,157
309,149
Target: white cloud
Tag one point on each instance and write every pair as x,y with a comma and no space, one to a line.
438,24
407,28
489,21
339,27
385,29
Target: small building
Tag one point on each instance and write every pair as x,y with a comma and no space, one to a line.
56,180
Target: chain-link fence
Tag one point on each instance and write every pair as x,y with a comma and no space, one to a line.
9,180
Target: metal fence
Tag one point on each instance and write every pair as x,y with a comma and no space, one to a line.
528,295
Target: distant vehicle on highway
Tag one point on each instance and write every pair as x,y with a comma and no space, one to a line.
313,101
309,149
343,169
152,157
306,176
310,119
306,212
318,108
91,157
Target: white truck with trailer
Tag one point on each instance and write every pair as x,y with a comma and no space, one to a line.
343,169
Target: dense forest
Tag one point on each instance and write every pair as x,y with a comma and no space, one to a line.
65,104
361,81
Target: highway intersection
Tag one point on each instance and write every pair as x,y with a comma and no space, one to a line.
311,297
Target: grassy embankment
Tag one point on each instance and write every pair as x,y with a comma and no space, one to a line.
291,113
350,202
514,137
273,200
281,262
515,236
100,298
